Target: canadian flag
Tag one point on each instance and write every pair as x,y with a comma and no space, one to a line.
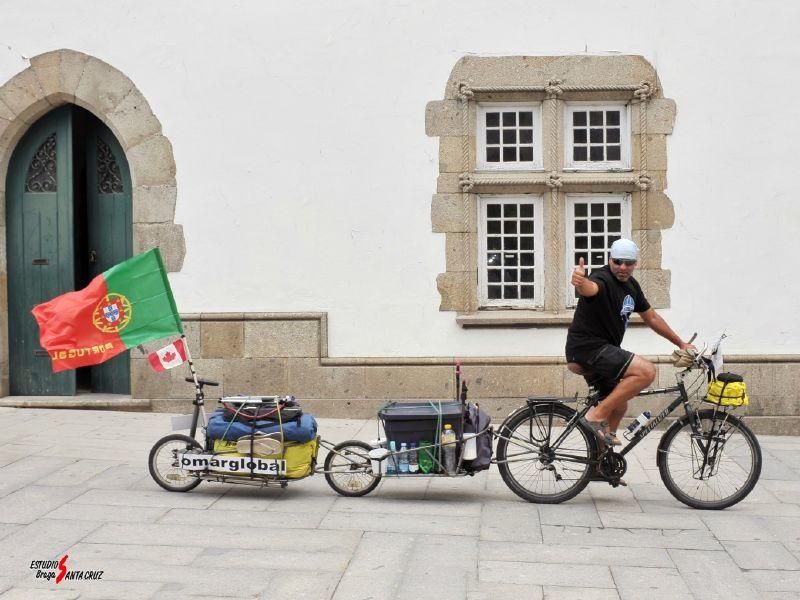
168,357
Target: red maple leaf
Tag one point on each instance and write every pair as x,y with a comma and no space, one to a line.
169,356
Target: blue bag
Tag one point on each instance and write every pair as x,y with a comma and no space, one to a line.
301,429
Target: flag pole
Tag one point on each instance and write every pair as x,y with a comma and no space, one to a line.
198,391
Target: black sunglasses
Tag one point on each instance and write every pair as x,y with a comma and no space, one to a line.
623,261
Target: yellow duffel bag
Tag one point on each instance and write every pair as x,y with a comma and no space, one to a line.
728,389
299,456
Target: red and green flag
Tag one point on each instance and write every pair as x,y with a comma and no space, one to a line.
129,304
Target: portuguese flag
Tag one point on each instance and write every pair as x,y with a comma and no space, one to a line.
128,305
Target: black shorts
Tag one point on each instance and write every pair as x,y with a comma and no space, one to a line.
605,367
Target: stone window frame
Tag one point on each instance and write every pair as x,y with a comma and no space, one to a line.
553,80
537,164
538,234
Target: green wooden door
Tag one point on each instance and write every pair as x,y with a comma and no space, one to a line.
39,220
110,231
69,218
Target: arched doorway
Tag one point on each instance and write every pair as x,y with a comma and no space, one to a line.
69,218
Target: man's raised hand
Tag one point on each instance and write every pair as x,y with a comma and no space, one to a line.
579,274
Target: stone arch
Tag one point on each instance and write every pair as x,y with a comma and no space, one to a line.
66,76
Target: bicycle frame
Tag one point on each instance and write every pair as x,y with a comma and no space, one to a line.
682,398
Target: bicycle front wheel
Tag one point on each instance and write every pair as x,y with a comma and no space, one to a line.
540,458
711,469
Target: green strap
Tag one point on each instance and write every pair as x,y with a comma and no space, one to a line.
438,439
236,414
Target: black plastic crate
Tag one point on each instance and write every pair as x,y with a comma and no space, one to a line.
418,421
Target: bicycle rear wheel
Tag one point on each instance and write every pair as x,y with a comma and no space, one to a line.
711,470
531,468
348,469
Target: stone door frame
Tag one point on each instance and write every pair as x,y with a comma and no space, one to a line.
66,76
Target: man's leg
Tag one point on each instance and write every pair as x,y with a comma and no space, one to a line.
616,417
639,374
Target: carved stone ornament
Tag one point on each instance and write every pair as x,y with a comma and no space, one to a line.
554,180
466,181
464,91
554,88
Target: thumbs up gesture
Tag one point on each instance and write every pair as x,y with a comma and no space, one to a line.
579,274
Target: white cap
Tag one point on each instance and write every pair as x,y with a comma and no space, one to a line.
625,249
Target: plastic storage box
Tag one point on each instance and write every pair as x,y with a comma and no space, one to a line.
417,421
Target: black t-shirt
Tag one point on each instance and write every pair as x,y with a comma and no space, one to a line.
603,318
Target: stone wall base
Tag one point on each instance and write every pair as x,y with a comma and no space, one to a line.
286,353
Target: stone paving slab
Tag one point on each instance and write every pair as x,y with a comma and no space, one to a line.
489,590
573,593
105,590
579,555
636,583
32,502
94,512
45,539
712,575
626,520
762,555
394,522
510,521
83,490
637,538
546,574
244,518
168,555
265,560
77,473
579,512
772,581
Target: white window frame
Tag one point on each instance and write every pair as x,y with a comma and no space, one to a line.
569,232
480,137
538,244
624,164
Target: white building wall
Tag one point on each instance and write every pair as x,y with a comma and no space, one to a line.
305,175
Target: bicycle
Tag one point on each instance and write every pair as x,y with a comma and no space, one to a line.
707,459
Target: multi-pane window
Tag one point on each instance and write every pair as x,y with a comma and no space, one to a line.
594,222
597,136
509,136
511,251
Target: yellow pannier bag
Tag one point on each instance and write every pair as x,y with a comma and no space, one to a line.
299,456
728,389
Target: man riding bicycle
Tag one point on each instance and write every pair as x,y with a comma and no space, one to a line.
607,299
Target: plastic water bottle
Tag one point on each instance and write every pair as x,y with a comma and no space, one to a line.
636,425
404,458
391,465
413,459
449,449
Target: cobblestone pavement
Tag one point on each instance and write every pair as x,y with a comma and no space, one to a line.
75,482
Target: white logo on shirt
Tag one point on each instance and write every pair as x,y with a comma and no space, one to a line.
627,308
